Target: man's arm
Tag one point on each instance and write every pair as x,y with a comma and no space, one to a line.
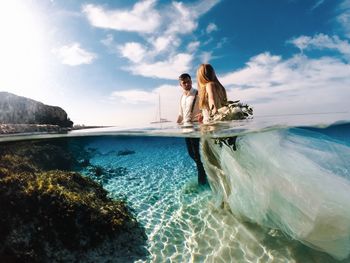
180,116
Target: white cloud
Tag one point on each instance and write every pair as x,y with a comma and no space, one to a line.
322,41
163,27
141,18
134,96
301,42
259,72
222,42
205,57
108,41
295,85
344,17
269,83
203,6
167,69
133,51
192,46
182,19
143,106
317,4
74,55
211,28
161,43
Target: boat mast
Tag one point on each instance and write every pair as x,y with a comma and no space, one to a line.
160,118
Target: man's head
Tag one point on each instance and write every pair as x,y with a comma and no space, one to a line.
185,81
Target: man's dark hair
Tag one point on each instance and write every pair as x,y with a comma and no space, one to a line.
184,76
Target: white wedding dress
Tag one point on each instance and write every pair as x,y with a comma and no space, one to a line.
294,180
206,116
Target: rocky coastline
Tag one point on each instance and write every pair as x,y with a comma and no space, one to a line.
8,129
21,110
23,115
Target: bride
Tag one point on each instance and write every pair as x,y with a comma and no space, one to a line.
294,180
212,94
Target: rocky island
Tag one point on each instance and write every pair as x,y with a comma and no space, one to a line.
23,115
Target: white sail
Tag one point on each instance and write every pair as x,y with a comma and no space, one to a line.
159,119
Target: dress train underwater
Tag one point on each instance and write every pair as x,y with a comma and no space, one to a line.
294,180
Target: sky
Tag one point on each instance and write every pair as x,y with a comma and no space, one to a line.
109,62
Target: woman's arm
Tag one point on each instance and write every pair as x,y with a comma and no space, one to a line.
210,91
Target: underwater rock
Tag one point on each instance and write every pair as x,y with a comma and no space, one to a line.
41,155
84,162
49,215
98,170
125,152
82,155
20,110
92,150
103,175
118,171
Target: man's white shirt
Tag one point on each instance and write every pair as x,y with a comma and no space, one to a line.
186,107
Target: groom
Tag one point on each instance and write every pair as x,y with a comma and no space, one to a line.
189,112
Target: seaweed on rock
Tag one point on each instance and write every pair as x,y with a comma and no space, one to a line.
54,215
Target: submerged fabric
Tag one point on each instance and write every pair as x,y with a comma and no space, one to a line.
297,181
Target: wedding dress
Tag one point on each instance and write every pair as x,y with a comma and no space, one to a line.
294,180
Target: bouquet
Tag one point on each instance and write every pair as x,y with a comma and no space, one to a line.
232,110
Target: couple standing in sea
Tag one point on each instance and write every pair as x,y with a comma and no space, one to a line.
198,106
295,180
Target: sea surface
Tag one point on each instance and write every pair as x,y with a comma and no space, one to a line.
149,167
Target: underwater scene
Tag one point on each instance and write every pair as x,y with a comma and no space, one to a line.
280,195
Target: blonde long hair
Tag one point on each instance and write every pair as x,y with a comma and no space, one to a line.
206,74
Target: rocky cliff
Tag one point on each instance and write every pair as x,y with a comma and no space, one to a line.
20,110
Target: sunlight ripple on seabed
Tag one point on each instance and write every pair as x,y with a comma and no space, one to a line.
182,221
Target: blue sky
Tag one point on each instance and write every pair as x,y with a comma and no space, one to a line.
106,62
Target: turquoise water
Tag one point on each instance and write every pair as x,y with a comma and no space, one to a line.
184,222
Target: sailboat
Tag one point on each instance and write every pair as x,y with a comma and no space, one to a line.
160,120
